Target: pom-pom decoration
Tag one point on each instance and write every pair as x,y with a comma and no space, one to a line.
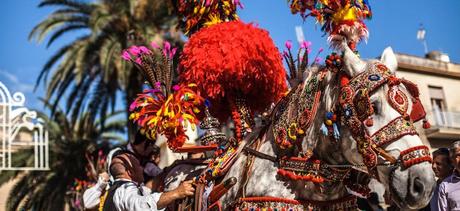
196,14
167,115
234,60
339,18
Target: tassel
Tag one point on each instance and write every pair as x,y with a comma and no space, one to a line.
418,112
336,132
426,124
324,129
344,80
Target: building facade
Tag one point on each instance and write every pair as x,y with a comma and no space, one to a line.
439,84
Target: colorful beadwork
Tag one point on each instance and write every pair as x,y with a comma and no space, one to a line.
398,100
377,70
334,61
307,169
296,111
394,130
360,189
357,109
269,203
415,155
281,204
329,127
296,168
362,104
220,164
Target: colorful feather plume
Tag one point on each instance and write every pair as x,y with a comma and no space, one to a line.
155,63
165,109
298,65
167,115
339,18
195,14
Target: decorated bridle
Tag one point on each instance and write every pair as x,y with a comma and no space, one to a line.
356,111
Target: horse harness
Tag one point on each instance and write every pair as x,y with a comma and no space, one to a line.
355,108
333,174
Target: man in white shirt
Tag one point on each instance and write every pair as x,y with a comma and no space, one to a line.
140,148
91,196
128,193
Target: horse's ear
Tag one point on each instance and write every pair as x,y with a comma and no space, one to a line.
388,58
353,64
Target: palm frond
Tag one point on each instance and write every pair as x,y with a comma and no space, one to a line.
64,29
66,67
19,158
18,193
78,107
84,7
109,52
114,137
40,31
55,58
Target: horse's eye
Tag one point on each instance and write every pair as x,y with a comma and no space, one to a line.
376,107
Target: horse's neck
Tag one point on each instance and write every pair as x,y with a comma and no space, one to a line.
264,179
314,141
324,148
307,191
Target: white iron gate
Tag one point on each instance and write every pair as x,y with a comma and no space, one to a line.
17,121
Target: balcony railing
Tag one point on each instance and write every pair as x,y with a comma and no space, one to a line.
446,119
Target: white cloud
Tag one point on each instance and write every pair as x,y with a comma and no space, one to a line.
16,85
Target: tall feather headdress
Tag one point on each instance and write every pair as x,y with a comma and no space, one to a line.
339,18
165,109
196,14
236,66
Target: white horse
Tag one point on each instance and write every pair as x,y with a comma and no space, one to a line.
410,186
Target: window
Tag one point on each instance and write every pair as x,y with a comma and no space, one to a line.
438,104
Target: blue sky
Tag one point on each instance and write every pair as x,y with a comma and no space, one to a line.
394,23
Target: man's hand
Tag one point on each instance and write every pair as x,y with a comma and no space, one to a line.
185,189
103,177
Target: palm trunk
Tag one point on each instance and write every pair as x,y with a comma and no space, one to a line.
133,88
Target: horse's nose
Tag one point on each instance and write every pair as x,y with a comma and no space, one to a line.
417,188
420,187
413,187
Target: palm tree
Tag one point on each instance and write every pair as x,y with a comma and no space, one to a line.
70,143
89,71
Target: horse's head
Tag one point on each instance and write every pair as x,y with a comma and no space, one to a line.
378,110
